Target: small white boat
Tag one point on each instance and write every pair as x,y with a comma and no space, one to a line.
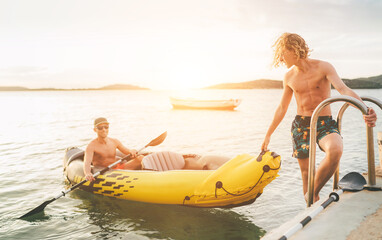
189,103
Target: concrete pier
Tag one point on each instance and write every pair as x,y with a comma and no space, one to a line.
357,215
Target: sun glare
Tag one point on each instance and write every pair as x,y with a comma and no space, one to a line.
183,77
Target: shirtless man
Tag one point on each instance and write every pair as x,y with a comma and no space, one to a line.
102,151
310,81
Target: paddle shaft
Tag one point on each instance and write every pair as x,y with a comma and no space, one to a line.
41,207
333,197
96,174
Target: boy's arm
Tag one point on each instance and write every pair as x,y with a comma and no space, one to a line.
340,86
279,114
336,81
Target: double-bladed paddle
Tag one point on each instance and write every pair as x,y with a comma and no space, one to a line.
41,207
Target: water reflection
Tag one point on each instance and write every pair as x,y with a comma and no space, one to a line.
115,216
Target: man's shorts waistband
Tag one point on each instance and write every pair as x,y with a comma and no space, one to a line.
301,118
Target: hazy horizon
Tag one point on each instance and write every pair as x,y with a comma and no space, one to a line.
144,88
178,44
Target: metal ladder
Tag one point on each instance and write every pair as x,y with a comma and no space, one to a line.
369,134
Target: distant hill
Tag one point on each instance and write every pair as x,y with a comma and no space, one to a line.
357,83
108,87
14,88
370,82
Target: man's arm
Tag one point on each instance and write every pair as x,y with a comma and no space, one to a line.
279,114
124,149
340,86
336,81
89,153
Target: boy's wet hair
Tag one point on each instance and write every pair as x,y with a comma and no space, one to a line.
290,41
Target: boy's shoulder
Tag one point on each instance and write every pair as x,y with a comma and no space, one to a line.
289,74
320,63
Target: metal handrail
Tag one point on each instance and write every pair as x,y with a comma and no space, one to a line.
313,132
371,174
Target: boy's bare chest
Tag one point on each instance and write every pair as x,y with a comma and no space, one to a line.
305,83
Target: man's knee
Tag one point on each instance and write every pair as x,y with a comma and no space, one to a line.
334,151
139,158
136,163
332,146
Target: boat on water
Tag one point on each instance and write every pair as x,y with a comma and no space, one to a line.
189,103
239,181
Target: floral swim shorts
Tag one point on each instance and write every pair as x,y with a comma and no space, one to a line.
301,133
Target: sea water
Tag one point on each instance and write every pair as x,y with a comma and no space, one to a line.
37,126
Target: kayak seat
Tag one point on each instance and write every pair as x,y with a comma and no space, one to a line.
163,161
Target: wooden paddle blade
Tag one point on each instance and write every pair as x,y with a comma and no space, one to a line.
38,209
352,182
157,140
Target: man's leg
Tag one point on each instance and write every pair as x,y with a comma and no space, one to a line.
213,162
191,164
332,146
304,167
134,164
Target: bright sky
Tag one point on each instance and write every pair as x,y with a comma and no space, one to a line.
175,44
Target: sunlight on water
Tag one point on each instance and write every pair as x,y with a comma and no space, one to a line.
38,126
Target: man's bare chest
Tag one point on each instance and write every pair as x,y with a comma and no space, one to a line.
105,150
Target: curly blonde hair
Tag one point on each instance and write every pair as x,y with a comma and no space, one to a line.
290,41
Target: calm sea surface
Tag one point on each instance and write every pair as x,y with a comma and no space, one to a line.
36,127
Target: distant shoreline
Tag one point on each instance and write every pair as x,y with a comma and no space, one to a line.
356,83
109,87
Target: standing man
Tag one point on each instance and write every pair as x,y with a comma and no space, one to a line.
310,81
102,151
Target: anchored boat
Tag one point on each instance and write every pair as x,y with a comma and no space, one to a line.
189,103
237,182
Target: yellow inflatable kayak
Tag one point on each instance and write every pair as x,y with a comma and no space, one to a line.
237,182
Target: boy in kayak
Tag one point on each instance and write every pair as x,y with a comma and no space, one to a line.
310,81
102,151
